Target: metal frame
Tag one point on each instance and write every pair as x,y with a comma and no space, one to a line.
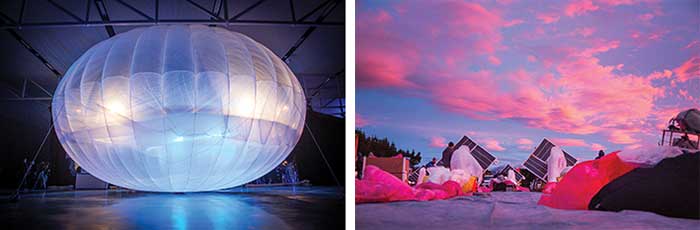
102,10
214,20
680,134
327,11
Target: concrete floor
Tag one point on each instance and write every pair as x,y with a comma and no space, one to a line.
240,208
504,210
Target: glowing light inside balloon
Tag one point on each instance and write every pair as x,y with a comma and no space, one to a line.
178,109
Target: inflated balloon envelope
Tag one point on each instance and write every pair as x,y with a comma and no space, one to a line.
178,109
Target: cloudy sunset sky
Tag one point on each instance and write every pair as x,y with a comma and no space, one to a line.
586,74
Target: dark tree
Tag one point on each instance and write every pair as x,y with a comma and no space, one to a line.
383,148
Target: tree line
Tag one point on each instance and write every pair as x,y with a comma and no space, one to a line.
383,148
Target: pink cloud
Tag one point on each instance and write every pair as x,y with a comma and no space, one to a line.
621,137
524,144
572,92
524,141
661,116
548,18
360,121
688,70
596,147
531,58
580,7
693,44
646,17
437,142
492,144
514,22
505,2
390,52
684,94
646,38
585,31
376,67
494,60
618,2
569,142
660,75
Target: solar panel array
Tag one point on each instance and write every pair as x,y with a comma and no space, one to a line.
483,157
537,162
536,166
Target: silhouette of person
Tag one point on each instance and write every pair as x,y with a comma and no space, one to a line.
600,154
447,155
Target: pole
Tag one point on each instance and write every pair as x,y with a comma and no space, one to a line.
15,197
322,155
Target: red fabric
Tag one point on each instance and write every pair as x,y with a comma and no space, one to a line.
522,189
380,186
549,187
584,180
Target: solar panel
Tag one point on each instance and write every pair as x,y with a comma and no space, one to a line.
518,176
466,141
483,157
570,160
537,162
543,150
536,167
501,170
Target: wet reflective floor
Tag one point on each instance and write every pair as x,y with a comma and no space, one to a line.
240,208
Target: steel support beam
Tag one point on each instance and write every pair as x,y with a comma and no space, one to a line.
157,12
41,25
307,15
27,99
66,11
41,88
102,10
21,12
135,10
291,8
329,102
327,11
210,13
34,52
251,7
325,82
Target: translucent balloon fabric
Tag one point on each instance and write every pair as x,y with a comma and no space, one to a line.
179,109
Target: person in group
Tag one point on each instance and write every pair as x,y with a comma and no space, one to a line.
447,155
431,163
42,175
600,154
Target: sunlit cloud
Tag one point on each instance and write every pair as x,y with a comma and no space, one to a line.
592,74
437,142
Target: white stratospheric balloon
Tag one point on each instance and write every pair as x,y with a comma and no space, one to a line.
178,109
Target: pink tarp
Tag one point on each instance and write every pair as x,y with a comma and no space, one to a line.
380,186
583,181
